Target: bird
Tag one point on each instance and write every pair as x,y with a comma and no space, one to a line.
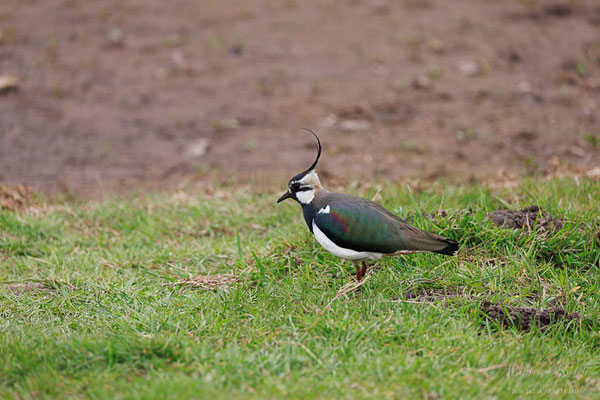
357,229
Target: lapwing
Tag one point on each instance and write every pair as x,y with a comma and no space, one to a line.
357,229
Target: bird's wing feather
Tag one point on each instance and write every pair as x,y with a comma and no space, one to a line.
362,225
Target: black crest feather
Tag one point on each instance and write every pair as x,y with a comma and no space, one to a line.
314,164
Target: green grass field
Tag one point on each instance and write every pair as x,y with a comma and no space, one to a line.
89,309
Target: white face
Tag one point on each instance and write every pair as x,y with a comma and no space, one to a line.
304,189
305,196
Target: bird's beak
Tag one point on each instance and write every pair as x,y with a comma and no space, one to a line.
286,195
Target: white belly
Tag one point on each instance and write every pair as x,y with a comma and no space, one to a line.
340,252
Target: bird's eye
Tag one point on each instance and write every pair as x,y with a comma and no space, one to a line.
295,187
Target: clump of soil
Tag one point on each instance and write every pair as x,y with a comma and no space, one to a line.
527,218
209,282
525,318
16,197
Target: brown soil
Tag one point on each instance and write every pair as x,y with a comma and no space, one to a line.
525,318
527,218
116,95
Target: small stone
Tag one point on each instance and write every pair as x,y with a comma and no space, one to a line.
178,59
197,148
230,124
469,68
329,121
115,37
8,83
436,45
524,87
355,125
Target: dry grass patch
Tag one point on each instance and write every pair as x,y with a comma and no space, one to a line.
16,198
209,282
26,287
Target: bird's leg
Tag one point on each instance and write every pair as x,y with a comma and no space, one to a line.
359,276
363,270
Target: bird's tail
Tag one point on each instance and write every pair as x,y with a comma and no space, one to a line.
422,241
450,249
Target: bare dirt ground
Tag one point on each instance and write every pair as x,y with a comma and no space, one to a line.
118,95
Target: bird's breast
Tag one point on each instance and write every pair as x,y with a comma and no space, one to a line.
347,254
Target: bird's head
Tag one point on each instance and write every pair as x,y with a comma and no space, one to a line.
306,184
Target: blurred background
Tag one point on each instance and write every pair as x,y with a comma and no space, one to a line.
100,96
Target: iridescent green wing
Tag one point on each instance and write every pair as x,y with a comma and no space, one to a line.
361,225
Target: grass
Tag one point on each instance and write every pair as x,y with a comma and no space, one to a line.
593,140
104,320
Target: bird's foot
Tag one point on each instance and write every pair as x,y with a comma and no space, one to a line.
361,271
